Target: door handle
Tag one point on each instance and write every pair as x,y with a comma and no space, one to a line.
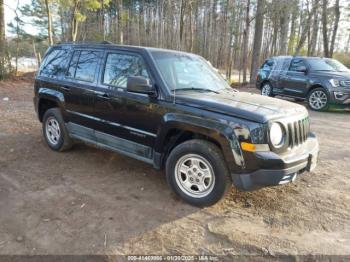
66,88
102,94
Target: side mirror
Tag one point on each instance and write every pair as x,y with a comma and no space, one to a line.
139,84
302,69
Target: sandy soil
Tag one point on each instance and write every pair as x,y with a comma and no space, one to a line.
91,201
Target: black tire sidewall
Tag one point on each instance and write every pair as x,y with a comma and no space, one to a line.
327,95
211,154
55,113
262,86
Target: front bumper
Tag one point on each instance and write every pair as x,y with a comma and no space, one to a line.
340,98
289,166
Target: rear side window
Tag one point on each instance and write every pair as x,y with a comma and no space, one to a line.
296,63
73,64
83,65
56,63
120,66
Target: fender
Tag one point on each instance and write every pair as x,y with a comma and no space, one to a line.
218,131
49,94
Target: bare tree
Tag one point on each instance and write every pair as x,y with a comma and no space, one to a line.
2,40
304,31
49,22
245,42
335,26
324,28
259,25
315,29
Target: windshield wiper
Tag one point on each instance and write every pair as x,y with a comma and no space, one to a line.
195,89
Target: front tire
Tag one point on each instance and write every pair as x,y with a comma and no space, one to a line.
318,99
197,172
266,89
54,130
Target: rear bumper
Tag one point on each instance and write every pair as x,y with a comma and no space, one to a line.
304,159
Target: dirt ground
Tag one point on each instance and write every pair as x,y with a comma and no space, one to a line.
92,201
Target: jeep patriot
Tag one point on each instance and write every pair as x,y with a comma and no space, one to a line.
174,111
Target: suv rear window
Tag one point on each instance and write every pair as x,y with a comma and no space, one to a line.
55,64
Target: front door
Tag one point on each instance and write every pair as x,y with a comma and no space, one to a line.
295,81
128,121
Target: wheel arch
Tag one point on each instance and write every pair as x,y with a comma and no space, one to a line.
314,86
48,98
264,82
178,129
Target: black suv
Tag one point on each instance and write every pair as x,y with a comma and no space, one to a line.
323,82
172,110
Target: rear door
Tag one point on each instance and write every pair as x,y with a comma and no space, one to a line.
295,82
79,86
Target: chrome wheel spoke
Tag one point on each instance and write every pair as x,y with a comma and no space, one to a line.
184,169
187,184
201,187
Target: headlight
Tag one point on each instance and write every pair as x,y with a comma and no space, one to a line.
334,82
277,135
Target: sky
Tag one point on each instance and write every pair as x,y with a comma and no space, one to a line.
10,6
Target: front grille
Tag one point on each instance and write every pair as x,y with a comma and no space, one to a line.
297,132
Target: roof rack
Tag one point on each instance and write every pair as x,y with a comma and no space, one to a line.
86,43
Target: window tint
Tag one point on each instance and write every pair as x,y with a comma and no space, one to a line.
120,66
73,64
286,64
86,66
56,63
295,64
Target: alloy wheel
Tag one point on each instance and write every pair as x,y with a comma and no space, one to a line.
266,90
194,175
53,132
318,100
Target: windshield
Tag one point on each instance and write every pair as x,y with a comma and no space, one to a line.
188,72
327,64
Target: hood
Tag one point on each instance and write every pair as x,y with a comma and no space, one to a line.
241,104
338,75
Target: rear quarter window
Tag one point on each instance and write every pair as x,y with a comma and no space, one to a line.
56,63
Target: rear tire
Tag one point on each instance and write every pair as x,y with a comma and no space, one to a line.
318,99
54,130
266,90
197,172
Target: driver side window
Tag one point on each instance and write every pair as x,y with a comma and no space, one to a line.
120,66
